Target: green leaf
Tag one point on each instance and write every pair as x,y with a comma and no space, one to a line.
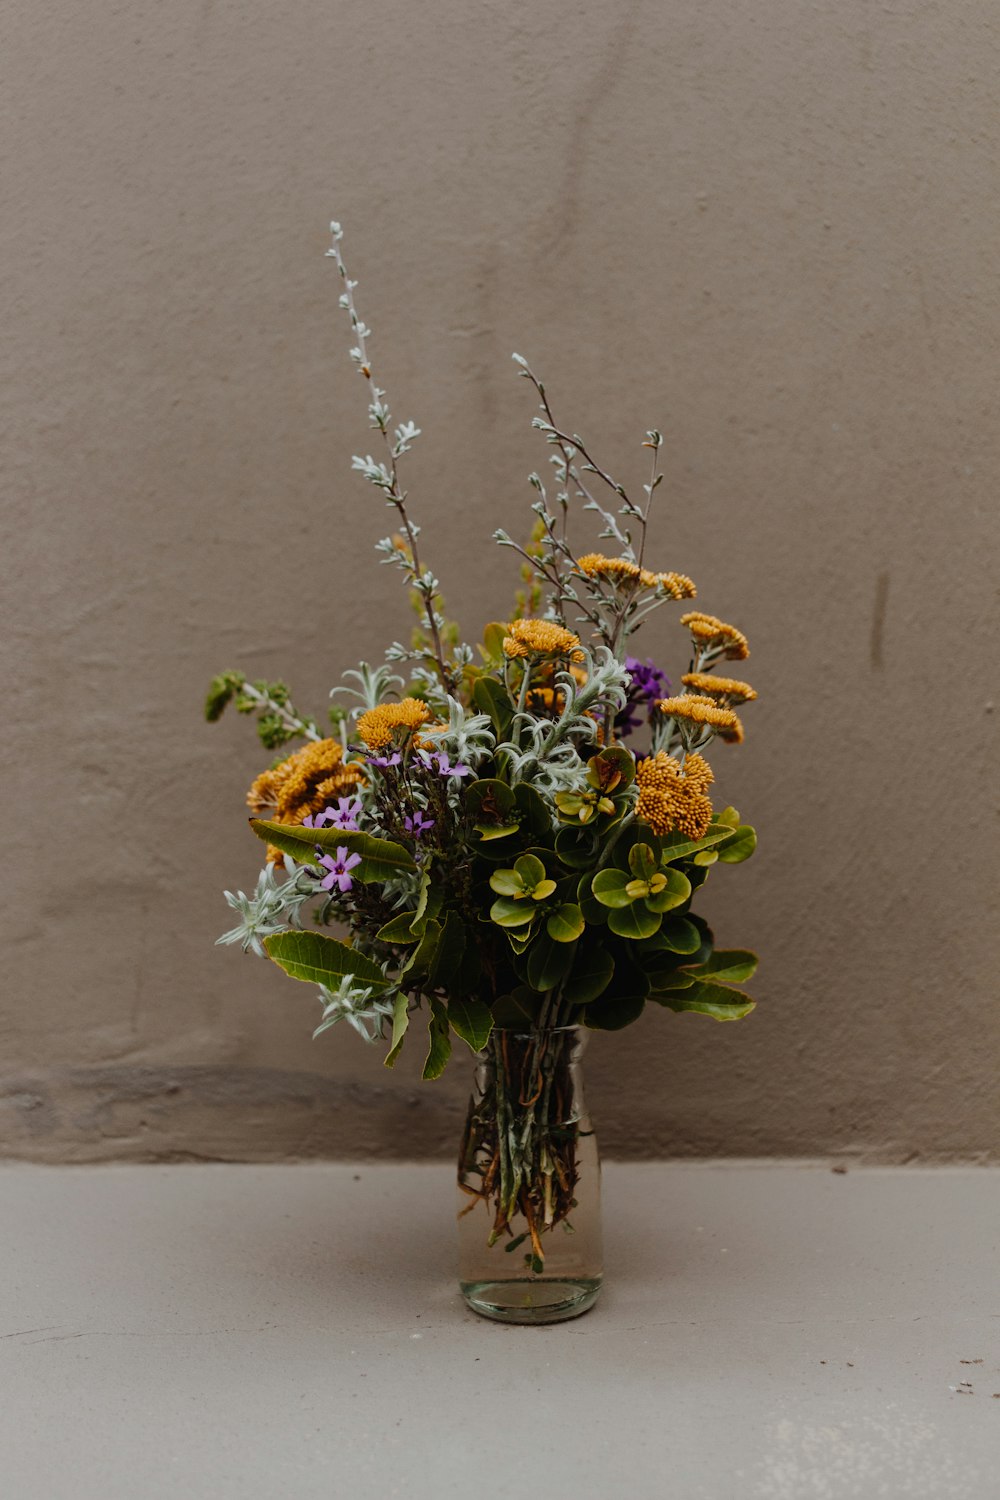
728,815
490,697
730,965
398,929
418,965
447,953
623,1003
623,762
740,846
678,846
667,980
400,1021
489,831
472,1021
565,924
592,972
635,921
609,888
642,862
531,870
519,1008
706,858
440,1041
577,848
506,912
318,959
679,935
380,858
715,1000
429,902
676,891
489,800
548,962
707,939
535,817
507,883
492,647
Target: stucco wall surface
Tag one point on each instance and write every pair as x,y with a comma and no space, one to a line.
769,230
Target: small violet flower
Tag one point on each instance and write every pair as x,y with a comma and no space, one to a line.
417,824
339,869
446,769
647,684
383,761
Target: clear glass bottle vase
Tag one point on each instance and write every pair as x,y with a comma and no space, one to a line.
529,1182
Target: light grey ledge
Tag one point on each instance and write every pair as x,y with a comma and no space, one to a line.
256,1332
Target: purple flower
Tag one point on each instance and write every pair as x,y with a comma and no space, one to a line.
346,814
339,869
647,684
417,824
443,764
385,760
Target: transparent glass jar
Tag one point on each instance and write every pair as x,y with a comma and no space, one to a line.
529,1182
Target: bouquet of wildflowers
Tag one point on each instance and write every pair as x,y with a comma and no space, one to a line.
509,836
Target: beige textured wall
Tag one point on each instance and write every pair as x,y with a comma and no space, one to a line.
770,230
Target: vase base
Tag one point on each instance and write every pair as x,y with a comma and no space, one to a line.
531,1300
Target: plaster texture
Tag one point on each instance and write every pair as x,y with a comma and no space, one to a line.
769,230
770,1332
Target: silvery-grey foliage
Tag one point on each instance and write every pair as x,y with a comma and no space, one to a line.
375,685
273,907
358,1005
467,737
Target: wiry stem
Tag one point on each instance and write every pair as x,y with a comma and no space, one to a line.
395,494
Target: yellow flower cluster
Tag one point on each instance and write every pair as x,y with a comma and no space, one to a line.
699,709
378,726
620,571
711,686
539,638
674,799
304,783
710,631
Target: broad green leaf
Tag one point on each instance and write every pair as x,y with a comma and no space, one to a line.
490,697
635,921
609,888
398,929
548,962
707,939
507,883
535,817
447,953
679,935
506,912
519,937
714,1000
488,831
381,859
429,901
740,846
519,1008
400,1021
667,981
592,972
440,1041
623,762
318,959
492,647
730,965
471,1020
489,801
565,924
623,1002
676,891
418,965
531,870
706,858
577,848
678,846
728,815
642,862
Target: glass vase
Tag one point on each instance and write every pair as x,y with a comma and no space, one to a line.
529,1182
